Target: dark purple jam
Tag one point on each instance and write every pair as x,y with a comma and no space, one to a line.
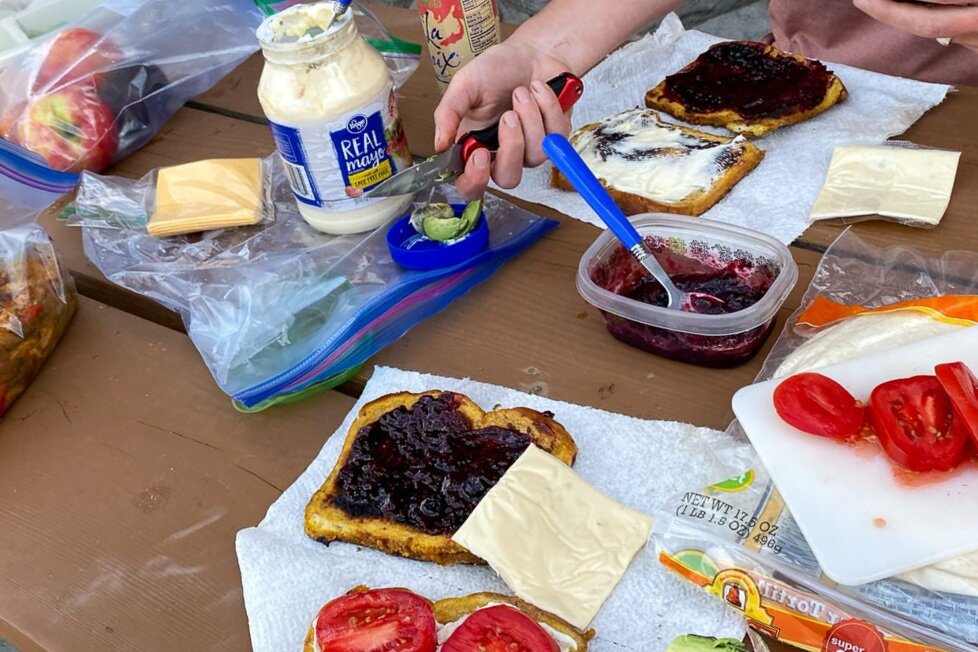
725,284
741,76
425,466
739,283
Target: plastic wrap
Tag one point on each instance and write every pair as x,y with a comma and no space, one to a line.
117,202
37,301
898,181
737,540
280,308
100,89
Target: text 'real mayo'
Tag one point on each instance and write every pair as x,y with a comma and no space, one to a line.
329,98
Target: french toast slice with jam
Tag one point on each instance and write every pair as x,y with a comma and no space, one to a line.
749,88
414,466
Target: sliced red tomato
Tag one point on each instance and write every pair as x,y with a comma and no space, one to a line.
818,405
916,426
962,388
500,628
378,620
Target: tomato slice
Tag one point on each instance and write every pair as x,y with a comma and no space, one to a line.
916,425
377,620
962,388
500,628
818,405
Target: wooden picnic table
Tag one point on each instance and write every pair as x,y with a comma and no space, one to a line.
125,472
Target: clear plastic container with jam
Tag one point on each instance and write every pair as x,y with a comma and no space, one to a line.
751,273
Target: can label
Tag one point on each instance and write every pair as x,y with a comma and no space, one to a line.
457,31
332,164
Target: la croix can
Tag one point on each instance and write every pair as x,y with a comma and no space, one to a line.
457,31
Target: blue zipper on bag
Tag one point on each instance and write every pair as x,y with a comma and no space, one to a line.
384,301
29,169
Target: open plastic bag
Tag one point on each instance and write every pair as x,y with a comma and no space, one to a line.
737,540
118,202
101,88
37,301
280,309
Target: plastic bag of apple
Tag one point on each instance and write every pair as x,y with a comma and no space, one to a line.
103,87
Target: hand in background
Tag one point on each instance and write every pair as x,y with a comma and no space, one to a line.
955,19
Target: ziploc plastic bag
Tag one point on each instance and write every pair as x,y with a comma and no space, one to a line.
37,301
117,202
98,90
280,308
737,540
402,56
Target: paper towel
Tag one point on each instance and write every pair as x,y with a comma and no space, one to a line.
777,196
287,577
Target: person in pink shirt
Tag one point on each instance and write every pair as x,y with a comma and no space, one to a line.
897,37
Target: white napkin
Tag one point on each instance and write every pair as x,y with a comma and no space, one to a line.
776,197
287,577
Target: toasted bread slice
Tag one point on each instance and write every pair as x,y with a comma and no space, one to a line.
648,165
750,88
450,610
326,521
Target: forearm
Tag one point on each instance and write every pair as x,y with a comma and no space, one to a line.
582,32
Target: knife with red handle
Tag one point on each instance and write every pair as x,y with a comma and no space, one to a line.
449,164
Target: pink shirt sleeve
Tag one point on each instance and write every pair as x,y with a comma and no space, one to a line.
835,31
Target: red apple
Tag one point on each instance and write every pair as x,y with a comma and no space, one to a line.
73,129
74,54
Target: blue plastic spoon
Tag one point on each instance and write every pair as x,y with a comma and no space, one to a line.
571,165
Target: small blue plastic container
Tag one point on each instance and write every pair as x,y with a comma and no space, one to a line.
431,254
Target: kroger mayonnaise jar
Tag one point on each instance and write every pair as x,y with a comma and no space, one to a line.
330,100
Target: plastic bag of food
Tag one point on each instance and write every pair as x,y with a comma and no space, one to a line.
897,181
189,198
737,540
98,90
279,309
37,300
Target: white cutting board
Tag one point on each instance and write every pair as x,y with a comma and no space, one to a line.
837,495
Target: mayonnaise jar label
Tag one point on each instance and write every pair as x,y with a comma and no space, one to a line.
332,164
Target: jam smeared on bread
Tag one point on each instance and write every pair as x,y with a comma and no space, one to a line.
748,87
425,466
414,466
649,165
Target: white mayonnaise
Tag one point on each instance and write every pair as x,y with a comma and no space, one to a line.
330,100
635,152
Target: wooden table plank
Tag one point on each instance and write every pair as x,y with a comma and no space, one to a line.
124,475
528,328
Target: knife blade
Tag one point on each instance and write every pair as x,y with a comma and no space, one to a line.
449,164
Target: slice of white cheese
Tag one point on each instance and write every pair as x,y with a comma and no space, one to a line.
909,184
557,542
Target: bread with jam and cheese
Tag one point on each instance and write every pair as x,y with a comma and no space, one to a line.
648,165
414,466
750,88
